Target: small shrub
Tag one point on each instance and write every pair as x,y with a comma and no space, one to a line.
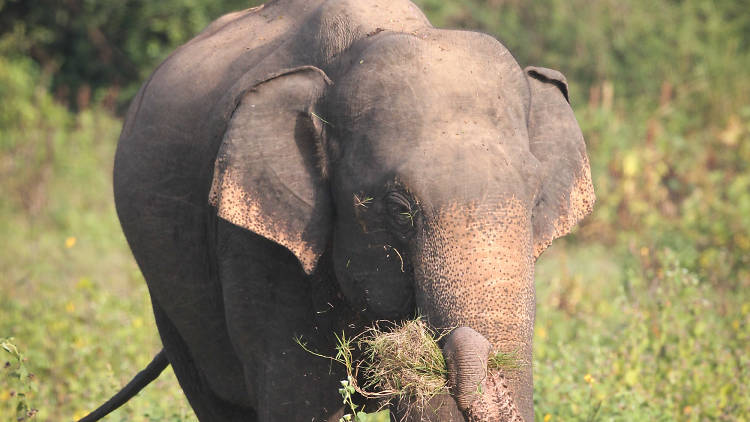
16,382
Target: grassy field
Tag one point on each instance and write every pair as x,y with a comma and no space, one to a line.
642,314
72,297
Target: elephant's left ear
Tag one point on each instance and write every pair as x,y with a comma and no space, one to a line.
567,194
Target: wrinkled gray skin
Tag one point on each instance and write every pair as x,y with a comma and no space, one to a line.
307,167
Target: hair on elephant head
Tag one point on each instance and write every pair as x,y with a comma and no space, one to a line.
412,169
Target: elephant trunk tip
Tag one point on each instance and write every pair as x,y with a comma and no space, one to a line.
476,377
496,402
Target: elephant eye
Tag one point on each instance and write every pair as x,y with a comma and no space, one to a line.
400,210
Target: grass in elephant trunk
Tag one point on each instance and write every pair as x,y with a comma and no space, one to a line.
401,362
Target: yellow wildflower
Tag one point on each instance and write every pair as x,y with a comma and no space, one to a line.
687,410
542,333
84,283
70,242
4,395
733,132
589,379
547,417
70,307
137,322
631,377
630,165
79,343
79,414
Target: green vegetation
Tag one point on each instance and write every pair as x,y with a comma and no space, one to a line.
504,361
643,314
18,379
71,294
102,50
644,339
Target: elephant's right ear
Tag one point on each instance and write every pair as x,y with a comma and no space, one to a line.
269,174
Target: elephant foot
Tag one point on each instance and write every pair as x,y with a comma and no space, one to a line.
495,403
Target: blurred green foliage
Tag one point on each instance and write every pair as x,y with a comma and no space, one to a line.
643,313
639,339
104,48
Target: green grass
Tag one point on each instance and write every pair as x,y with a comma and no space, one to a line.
504,361
71,295
647,340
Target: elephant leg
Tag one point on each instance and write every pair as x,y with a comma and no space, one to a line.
267,297
206,405
172,242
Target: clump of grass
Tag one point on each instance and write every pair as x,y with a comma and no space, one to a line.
403,361
502,361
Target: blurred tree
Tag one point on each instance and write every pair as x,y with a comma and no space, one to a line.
87,45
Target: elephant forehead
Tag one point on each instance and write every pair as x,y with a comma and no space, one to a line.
424,78
421,105
461,162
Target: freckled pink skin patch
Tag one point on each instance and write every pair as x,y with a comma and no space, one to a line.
244,209
475,268
581,203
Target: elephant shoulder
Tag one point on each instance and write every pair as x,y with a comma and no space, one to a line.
194,77
174,125
241,48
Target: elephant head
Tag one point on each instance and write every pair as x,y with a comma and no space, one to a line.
435,169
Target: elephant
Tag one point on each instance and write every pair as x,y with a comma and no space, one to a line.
308,167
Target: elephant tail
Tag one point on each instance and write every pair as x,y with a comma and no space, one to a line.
138,383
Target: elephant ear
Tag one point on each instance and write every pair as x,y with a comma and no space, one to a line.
268,175
567,194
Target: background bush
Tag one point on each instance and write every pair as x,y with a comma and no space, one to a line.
642,314
108,47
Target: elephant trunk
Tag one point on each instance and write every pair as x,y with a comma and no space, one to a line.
476,270
466,353
481,394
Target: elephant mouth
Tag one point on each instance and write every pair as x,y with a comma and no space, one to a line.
462,380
